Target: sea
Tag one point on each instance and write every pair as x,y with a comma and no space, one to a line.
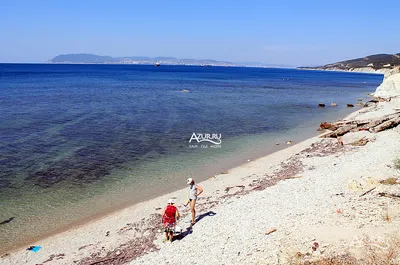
78,141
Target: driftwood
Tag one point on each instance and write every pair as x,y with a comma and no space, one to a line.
368,191
340,128
387,125
328,126
270,231
335,125
340,131
393,196
373,123
360,142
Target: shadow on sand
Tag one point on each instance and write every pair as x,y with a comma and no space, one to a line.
189,230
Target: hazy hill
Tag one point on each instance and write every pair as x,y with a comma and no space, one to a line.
373,62
83,58
91,58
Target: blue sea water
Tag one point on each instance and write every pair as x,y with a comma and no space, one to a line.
71,135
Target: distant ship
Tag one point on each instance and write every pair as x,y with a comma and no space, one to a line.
157,64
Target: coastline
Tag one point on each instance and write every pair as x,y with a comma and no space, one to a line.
151,178
140,222
305,136
100,223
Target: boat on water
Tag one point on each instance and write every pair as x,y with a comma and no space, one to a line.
157,64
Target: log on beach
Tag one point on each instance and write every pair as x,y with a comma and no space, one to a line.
387,124
340,131
335,125
360,142
372,125
328,126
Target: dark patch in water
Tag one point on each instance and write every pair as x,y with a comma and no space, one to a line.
7,221
78,169
5,183
91,163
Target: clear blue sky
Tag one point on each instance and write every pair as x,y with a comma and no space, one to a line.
290,32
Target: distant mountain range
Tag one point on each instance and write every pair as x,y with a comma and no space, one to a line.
84,58
372,63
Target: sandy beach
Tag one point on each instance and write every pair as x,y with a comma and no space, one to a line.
324,199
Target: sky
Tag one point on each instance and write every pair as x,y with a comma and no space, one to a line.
289,32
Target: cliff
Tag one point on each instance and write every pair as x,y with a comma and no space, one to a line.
390,86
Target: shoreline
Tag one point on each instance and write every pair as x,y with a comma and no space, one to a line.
111,211
102,217
91,236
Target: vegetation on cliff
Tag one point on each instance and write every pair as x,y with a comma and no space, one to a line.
375,62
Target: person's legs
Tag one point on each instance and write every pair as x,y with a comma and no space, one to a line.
166,233
171,234
192,204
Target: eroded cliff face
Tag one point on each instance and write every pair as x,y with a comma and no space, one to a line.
370,70
357,70
390,86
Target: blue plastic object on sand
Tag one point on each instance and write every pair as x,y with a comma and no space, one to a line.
34,248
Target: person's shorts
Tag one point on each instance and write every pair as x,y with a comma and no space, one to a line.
169,227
